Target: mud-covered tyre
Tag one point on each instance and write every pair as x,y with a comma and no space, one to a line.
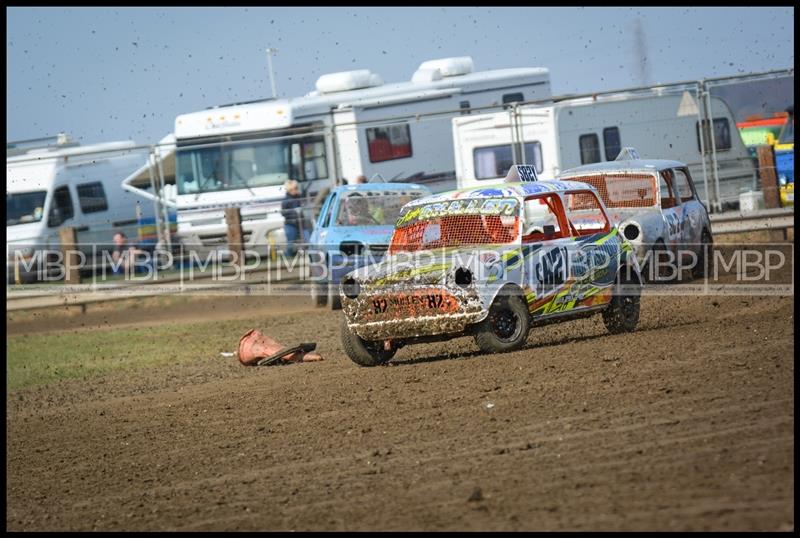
622,313
706,253
505,327
319,294
334,299
655,271
362,352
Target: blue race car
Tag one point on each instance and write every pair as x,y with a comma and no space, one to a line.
353,229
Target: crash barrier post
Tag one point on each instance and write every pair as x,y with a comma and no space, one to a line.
273,247
233,219
769,181
72,274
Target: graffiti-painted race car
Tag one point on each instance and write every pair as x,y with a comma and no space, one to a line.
491,262
657,208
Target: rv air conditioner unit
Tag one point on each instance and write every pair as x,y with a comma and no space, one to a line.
426,75
448,67
347,80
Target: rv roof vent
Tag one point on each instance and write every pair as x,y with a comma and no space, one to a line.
449,67
347,80
628,154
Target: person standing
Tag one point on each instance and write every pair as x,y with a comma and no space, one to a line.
123,254
294,223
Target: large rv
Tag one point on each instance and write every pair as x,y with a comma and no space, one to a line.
352,124
68,185
580,131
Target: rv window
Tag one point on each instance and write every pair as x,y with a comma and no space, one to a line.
389,143
257,163
612,143
22,207
465,108
513,98
680,184
315,165
92,197
62,207
492,162
590,148
722,135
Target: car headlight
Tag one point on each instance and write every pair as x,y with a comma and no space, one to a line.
463,277
351,288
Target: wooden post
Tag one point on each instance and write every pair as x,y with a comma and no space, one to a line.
769,179
72,274
17,276
233,218
769,186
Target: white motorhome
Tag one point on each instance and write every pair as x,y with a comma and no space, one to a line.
68,185
580,131
352,124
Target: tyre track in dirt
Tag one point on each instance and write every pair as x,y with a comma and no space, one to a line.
684,425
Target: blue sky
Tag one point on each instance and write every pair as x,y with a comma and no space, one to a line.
105,74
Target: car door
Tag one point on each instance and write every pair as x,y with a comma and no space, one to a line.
671,211
546,240
693,213
596,250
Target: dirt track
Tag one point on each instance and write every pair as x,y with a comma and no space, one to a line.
687,424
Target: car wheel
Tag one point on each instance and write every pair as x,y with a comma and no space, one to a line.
319,294
706,249
505,327
622,313
334,299
363,352
657,268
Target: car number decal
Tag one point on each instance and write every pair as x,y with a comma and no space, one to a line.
420,301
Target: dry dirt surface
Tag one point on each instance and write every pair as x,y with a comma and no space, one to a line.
686,424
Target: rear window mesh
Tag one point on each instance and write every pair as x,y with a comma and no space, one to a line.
623,190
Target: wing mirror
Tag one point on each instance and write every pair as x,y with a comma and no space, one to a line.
549,230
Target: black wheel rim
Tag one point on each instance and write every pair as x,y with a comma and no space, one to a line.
505,324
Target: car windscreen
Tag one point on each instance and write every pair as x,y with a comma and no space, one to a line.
373,208
457,223
24,207
623,190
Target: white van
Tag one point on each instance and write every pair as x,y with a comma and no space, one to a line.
69,186
582,131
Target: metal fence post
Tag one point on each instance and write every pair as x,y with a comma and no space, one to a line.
713,150
167,240
701,134
157,199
